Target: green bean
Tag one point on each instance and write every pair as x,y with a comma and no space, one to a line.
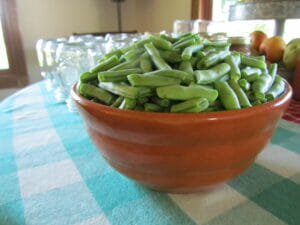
126,65
95,92
245,85
120,89
243,99
177,92
184,38
150,107
118,102
87,77
156,58
193,105
145,92
187,67
128,103
188,52
171,56
184,35
252,77
161,43
163,102
194,61
213,58
250,70
141,43
177,74
224,78
209,76
185,43
116,52
227,95
169,38
250,61
133,54
262,85
117,76
234,60
145,63
143,100
273,70
106,64
138,80
276,90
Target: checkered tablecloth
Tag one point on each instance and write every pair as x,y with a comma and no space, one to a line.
51,173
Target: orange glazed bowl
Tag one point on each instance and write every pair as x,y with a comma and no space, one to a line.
181,152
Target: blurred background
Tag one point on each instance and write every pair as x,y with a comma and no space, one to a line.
24,22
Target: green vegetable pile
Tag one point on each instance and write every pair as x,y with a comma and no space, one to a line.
180,74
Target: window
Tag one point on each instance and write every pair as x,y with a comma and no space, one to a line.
3,54
12,65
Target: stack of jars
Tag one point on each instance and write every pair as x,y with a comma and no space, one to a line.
62,60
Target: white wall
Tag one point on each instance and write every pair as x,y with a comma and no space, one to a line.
57,18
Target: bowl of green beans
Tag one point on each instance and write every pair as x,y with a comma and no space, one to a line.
181,114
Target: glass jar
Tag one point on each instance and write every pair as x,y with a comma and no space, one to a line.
240,44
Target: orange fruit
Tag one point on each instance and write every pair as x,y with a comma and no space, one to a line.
273,48
256,38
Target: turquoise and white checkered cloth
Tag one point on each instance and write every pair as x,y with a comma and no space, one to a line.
51,173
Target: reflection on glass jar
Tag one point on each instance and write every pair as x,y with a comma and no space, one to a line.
240,44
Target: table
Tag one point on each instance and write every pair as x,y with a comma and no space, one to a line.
51,173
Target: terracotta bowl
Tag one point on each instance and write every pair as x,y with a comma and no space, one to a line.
181,152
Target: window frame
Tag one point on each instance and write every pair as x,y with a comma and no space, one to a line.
201,9
16,76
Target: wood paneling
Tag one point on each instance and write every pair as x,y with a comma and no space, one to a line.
16,75
201,9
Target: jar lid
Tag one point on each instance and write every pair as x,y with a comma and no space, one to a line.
239,40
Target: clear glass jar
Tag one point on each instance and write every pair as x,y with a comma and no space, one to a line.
181,26
50,63
73,59
45,72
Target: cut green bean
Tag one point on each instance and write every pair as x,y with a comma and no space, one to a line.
249,61
177,74
163,102
150,107
209,76
95,92
187,67
156,58
120,89
276,90
172,56
245,85
169,38
117,76
188,52
177,92
117,102
106,64
193,105
161,43
234,60
128,103
228,97
138,80
243,99
87,77
126,65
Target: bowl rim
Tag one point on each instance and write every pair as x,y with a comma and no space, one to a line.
226,114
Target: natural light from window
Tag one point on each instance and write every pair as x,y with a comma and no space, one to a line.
3,55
